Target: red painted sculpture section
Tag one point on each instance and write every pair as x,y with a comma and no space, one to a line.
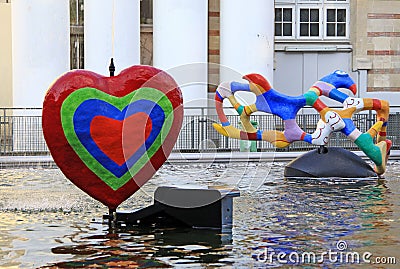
109,135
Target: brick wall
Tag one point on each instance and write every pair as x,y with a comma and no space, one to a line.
377,43
146,44
213,44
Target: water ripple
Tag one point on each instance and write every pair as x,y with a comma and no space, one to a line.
46,221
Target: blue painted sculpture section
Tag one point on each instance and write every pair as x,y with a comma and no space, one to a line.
286,107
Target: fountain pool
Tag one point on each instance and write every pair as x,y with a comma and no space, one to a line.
46,222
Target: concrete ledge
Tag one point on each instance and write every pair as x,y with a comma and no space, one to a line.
184,158
27,161
251,156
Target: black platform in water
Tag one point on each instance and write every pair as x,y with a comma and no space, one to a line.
182,207
334,162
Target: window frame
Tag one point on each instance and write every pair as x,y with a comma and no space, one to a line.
76,36
347,23
322,6
336,2
293,22
309,2
320,22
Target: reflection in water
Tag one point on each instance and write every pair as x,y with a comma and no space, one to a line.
147,248
45,221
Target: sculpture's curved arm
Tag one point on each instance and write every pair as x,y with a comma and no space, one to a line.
227,90
270,101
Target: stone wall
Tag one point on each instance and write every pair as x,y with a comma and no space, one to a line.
376,40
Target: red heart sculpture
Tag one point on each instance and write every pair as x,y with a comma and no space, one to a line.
109,135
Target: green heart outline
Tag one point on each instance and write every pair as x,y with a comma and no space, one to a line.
75,99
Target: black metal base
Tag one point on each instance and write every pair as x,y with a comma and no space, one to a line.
178,207
329,162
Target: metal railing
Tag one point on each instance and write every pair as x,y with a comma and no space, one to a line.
21,131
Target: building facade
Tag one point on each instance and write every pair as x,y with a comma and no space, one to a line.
315,37
291,42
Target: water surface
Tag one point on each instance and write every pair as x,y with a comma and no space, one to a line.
45,221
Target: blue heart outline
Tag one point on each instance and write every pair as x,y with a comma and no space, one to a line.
85,113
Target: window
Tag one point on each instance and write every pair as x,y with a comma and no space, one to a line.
312,19
336,20
76,36
309,22
284,22
146,11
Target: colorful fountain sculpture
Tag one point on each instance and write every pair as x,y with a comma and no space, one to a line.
286,107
